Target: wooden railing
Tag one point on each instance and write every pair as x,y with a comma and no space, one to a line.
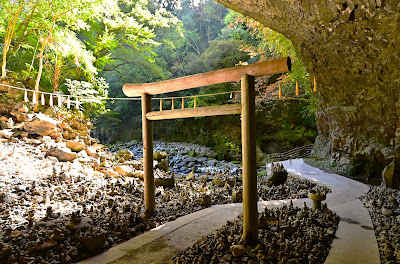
246,75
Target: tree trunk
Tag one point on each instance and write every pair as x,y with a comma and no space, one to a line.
353,49
12,21
39,75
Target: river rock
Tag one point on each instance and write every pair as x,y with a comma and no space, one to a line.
211,163
387,211
238,250
391,175
165,182
124,154
205,200
6,124
42,128
91,152
46,245
61,155
75,146
138,174
96,242
6,133
77,222
190,176
160,155
237,195
124,170
278,175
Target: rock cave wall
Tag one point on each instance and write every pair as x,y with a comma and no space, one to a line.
353,48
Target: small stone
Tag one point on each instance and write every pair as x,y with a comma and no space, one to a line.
15,234
91,152
75,146
46,245
190,176
160,155
238,250
113,174
205,200
387,211
165,182
237,195
42,128
138,174
124,170
96,242
60,154
227,257
79,223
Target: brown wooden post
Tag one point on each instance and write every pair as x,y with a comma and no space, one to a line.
183,103
173,105
160,104
195,103
297,88
249,172
149,190
280,92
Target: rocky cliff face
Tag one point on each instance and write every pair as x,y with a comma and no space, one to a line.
353,49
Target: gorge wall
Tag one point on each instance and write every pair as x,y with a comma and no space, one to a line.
353,49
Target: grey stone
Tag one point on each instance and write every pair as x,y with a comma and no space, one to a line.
391,175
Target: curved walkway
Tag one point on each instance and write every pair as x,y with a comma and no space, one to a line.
355,239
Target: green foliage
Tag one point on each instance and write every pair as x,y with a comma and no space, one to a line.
91,94
219,55
4,97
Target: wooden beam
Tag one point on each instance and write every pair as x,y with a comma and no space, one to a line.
148,175
230,109
276,66
249,159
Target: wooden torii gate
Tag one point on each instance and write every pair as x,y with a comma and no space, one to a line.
247,109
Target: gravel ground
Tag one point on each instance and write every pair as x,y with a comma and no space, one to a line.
383,207
63,212
286,235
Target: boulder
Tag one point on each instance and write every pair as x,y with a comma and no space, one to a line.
124,170
16,93
238,250
190,176
160,155
205,200
75,146
6,124
95,242
278,175
60,154
125,154
237,195
112,173
21,117
42,128
20,107
91,152
65,126
69,135
6,133
77,222
211,163
138,174
391,175
4,88
165,182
